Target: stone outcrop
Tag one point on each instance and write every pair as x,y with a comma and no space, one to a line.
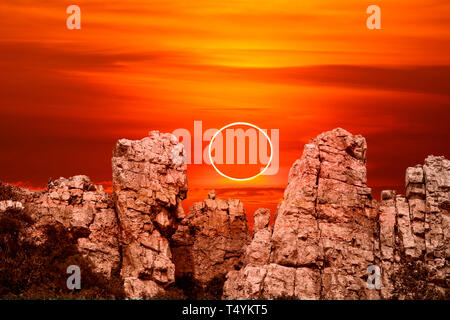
149,184
328,230
322,240
416,227
258,251
210,241
82,208
328,235
6,205
128,231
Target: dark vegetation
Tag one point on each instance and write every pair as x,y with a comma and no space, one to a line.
28,271
414,281
195,290
188,288
8,192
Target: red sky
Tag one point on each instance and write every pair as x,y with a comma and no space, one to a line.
302,67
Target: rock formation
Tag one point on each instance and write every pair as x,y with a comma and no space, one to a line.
328,240
322,238
149,184
328,230
258,251
210,241
416,227
6,205
84,209
129,231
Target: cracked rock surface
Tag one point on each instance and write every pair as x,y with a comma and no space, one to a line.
416,227
210,241
328,230
82,208
149,184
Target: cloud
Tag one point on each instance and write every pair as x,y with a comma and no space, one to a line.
72,57
138,65
424,79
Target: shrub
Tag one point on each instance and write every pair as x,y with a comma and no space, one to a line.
193,289
31,271
171,293
413,281
8,192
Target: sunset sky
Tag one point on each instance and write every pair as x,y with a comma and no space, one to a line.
302,67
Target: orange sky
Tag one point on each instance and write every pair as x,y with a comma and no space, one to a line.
302,67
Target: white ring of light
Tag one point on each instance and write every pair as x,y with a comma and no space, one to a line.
243,124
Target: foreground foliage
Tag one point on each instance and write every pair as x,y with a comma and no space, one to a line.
40,271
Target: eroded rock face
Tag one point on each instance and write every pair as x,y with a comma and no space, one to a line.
83,209
10,205
210,241
416,227
258,251
149,183
328,231
322,239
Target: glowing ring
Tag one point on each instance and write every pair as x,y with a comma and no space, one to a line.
243,124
